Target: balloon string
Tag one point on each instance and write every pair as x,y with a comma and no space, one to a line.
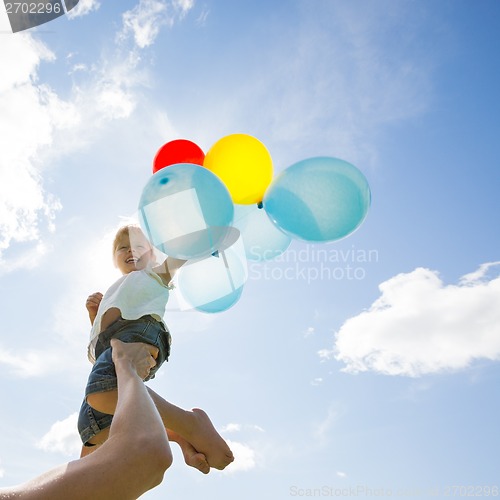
146,224
228,272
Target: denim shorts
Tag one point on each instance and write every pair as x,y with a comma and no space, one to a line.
102,378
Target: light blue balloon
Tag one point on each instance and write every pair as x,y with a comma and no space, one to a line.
185,211
215,283
261,238
221,304
318,199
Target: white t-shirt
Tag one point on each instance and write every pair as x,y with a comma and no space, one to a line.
135,294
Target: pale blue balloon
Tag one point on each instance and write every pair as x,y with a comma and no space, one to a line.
221,304
318,199
261,238
185,211
215,283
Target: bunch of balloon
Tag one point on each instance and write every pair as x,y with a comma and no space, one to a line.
245,166
219,210
178,151
262,240
215,283
186,212
318,199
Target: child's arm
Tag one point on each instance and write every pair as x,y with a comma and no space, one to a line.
167,270
92,305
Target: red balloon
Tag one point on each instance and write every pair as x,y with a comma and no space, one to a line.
178,151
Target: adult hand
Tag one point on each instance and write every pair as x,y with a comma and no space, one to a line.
141,357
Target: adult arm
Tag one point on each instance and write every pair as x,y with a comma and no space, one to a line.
134,458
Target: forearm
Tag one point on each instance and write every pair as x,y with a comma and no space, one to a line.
135,412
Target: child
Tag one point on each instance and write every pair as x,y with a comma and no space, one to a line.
131,311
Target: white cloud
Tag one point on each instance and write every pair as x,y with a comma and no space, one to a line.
83,8
183,6
203,16
322,428
106,91
419,325
62,437
231,428
244,457
347,80
28,363
310,331
30,114
35,120
145,20
483,272
66,350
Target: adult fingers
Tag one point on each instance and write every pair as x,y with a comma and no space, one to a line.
153,351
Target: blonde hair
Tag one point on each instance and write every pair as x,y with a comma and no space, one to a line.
126,231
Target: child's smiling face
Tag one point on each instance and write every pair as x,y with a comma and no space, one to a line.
132,252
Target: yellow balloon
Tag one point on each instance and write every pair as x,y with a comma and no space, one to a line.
243,164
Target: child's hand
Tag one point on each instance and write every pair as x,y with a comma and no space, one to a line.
92,305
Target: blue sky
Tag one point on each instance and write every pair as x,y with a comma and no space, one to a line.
326,383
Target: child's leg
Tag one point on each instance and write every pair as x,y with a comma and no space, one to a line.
95,442
191,456
101,391
191,430
193,427
105,402
196,428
